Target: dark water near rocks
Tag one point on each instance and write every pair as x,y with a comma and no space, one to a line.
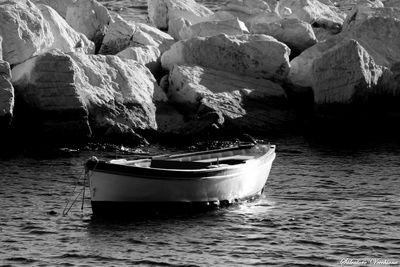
324,201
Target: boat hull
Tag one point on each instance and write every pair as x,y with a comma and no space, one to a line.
130,188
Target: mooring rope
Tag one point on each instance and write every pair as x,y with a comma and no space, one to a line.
86,174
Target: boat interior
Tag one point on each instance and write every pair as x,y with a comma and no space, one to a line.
199,160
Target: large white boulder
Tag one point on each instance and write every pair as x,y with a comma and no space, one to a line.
146,55
6,94
24,30
78,94
301,67
365,11
122,34
345,74
250,7
379,34
248,11
256,55
176,25
65,37
210,28
163,11
313,12
60,6
238,102
297,34
90,18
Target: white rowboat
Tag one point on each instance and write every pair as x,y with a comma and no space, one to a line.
208,178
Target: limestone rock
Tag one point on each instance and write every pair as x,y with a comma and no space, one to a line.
313,12
24,30
250,7
60,6
77,94
345,74
210,28
90,18
6,94
248,11
176,25
146,55
237,102
301,67
297,34
379,34
256,55
122,34
163,11
65,38
363,12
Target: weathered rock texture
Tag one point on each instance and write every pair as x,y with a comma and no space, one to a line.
345,74
257,55
163,11
65,37
146,55
210,28
228,100
122,34
90,18
379,34
24,30
60,6
297,34
6,94
77,94
248,11
313,12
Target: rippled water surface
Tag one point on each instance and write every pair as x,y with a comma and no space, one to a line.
323,202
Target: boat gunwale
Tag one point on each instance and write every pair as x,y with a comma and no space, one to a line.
161,173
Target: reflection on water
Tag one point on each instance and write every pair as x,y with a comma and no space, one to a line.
321,204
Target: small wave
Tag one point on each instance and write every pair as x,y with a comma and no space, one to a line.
310,242
158,263
135,241
21,260
41,232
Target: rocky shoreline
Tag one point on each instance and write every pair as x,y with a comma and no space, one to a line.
73,71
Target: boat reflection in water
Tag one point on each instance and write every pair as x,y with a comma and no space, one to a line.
184,182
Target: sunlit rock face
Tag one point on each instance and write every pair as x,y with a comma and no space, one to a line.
78,95
345,74
228,100
313,12
256,55
24,30
297,34
211,28
147,55
60,6
65,38
163,11
6,94
90,18
122,34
